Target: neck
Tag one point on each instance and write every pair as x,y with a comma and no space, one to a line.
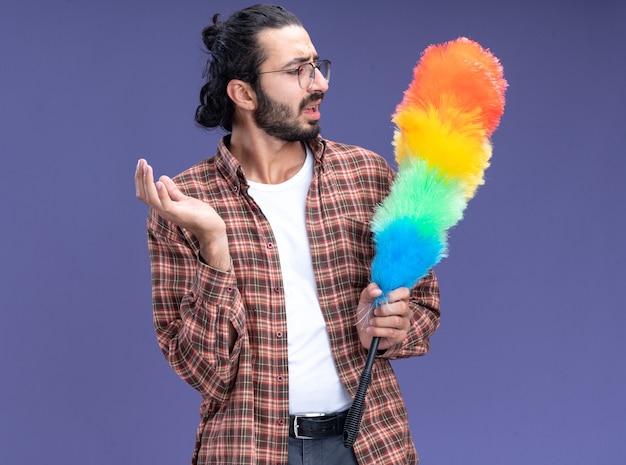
265,159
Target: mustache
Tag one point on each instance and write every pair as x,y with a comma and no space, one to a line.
312,98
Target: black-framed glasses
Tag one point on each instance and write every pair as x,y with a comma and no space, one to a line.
306,77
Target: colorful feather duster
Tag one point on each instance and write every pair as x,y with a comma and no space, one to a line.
442,148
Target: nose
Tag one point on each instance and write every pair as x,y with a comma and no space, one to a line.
319,84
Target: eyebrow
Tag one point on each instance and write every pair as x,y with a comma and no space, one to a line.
301,60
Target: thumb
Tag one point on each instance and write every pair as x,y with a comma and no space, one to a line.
171,188
374,291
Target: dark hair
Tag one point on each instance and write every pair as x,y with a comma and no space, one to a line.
234,53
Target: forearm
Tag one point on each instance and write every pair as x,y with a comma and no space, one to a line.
197,312
201,344
214,252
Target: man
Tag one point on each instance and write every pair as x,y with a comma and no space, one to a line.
260,263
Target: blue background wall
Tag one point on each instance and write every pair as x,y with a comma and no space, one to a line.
529,364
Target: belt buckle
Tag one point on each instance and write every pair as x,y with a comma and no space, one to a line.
296,426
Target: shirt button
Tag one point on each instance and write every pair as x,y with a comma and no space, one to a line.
279,334
235,188
281,422
280,378
229,289
270,245
276,288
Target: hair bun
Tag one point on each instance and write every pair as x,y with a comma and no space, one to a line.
210,33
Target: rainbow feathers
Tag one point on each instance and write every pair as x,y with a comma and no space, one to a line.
442,147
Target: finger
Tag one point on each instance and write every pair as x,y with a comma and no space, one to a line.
168,193
144,184
391,308
373,291
401,293
369,294
139,189
383,309
392,334
150,189
173,191
390,322
165,201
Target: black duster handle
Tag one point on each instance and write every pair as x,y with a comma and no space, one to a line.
353,421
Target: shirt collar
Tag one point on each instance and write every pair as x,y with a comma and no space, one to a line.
230,168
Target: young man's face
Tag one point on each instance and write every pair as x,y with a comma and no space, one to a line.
285,109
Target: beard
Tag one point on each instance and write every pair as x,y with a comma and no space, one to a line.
278,120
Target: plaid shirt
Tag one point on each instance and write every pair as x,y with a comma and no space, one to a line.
245,407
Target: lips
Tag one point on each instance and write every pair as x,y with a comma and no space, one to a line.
311,109
313,102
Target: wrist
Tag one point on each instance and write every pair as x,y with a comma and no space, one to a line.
216,254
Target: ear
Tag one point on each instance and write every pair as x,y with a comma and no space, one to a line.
242,94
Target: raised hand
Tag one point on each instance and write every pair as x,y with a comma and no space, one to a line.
196,216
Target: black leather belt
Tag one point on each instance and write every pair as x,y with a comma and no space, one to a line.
317,425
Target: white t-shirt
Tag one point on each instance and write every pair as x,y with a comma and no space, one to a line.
314,384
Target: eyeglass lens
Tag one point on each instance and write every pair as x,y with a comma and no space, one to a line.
322,65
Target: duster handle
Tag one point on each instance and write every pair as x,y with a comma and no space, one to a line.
353,420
